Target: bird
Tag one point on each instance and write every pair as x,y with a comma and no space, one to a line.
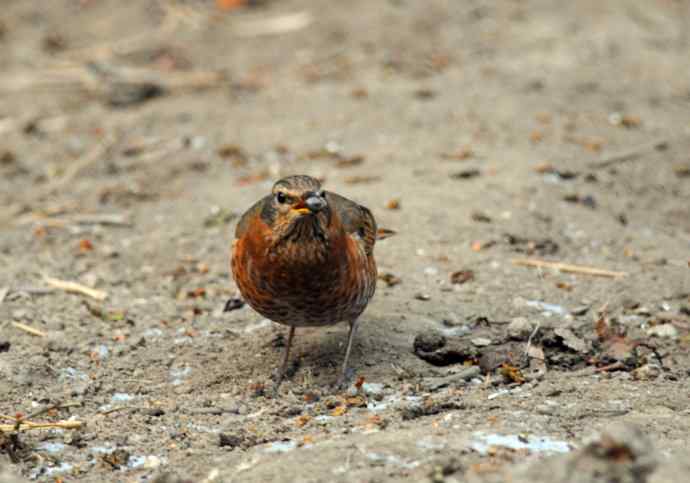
304,257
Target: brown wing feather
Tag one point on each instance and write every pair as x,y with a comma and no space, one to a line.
357,220
253,211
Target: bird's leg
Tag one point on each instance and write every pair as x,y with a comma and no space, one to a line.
351,336
286,355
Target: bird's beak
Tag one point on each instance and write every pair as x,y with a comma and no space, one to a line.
315,203
312,204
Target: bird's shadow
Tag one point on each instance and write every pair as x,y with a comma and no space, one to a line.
320,349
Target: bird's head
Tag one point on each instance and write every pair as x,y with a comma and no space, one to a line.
299,207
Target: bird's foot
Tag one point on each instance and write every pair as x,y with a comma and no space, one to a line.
344,380
276,389
278,378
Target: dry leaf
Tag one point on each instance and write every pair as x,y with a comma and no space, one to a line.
360,381
356,402
230,4
234,153
390,279
564,286
253,178
512,373
544,168
342,162
570,340
460,155
536,136
621,349
602,328
478,246
480,217
461,276
466,174
361,179
339,410
376,420
393,204
593,145
359,93
630,121
40,231
197,293
85,245
543,117
682,170
303,420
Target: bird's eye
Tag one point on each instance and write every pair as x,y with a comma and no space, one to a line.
322,193
280,196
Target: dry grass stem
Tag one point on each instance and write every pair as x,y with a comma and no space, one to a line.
568,268
74,287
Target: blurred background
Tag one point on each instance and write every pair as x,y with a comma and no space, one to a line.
179,91
134,134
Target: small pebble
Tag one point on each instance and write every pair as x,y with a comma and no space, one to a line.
19,314
520,328
545,409
373,389
581,310
481,341
665,331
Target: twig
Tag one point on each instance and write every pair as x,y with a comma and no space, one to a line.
29,425
113,219
629,155
566,267
39,412
74,287
98,79
29,330
531,336
273,26
50,407
3,293
31,290
611,367
436,383
116,409
85,219
22,423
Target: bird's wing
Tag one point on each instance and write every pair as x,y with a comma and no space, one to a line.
357,220
255,210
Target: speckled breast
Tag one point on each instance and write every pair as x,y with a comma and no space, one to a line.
306,284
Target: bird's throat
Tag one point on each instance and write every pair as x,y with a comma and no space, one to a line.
305,230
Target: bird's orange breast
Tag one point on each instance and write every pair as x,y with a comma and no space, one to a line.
303,282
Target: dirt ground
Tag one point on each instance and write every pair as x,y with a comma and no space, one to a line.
132,135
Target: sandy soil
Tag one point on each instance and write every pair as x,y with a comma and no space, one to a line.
131,138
